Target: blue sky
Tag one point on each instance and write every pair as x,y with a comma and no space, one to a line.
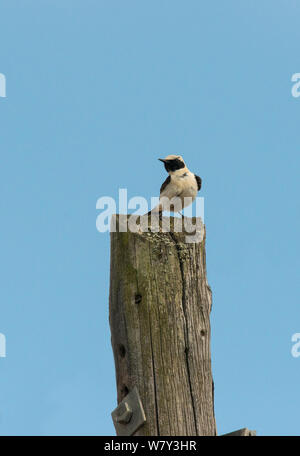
96,92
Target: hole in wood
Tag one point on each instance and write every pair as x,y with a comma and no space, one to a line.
138,298
124,391
203,332
122,350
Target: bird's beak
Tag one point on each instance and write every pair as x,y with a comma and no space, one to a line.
162,160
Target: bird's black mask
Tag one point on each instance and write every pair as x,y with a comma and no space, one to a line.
172,165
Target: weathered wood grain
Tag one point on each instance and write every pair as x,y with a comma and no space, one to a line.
160,304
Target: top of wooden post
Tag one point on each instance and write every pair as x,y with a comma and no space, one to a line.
187,229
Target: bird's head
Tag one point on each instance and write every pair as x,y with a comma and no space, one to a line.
173,163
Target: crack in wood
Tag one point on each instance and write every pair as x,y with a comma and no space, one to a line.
153,369
154,382
186,329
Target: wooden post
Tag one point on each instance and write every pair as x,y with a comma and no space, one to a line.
160,304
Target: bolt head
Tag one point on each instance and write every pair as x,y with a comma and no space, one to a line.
124,413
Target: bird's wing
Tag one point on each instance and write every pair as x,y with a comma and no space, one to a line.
167,181
199,181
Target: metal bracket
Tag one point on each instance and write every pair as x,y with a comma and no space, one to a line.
245,432
129,416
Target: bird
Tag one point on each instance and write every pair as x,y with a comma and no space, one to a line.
181,186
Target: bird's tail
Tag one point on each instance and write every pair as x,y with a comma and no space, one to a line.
156,210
